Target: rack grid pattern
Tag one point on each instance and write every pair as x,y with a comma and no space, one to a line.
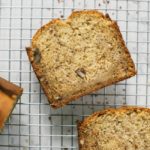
33,124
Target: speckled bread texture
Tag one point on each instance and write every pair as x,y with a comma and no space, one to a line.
78,56
125,128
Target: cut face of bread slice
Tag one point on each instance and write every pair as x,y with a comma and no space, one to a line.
78,56
126,128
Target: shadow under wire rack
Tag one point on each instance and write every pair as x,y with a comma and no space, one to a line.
33,124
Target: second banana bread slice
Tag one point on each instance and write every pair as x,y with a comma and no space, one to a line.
126,128
78,56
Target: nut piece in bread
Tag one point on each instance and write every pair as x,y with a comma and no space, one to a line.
125,128
9,95
78,56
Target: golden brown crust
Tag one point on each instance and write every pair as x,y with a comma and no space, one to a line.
43,28
37,70
112,110
75,13
9,95
81,125
130,62
94,12
9,87
59,104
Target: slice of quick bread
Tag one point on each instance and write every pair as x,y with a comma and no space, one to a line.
78,56
126,128
9,95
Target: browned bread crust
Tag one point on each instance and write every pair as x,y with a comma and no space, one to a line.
83,126
9,95
9,87
39,73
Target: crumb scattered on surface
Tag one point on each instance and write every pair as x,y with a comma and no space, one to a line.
106,1
48,9
62,16
50,118
98,102
59,1
106,102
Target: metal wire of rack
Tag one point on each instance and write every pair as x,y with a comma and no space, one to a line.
33,124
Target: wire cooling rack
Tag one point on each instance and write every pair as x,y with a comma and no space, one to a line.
33,124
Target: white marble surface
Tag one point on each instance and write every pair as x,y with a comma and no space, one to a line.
33,125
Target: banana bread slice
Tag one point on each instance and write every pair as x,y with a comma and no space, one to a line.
126,128
9,95
78,56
